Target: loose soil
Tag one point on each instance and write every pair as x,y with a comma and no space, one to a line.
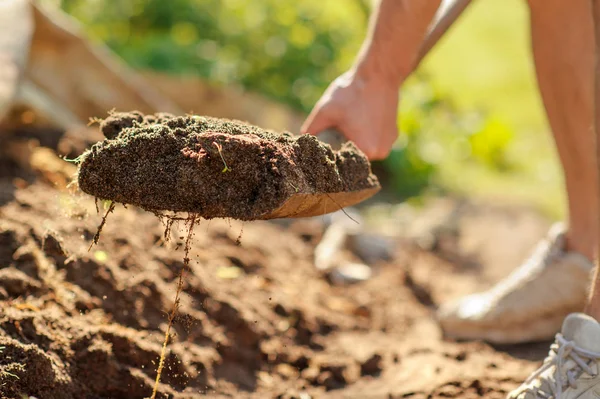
256,319
214,167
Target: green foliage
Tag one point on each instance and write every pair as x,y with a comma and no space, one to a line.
489,145
288,51
434,136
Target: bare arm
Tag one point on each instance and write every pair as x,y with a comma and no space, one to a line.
363,102
396,33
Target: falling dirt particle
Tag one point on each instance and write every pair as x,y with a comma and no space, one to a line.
372,366
238,241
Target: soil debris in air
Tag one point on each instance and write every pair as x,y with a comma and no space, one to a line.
213,167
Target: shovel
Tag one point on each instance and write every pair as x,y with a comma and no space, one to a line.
300,196
306,200
300,205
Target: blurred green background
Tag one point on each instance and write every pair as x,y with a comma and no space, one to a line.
471,119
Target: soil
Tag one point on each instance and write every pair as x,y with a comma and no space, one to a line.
257,320
214,167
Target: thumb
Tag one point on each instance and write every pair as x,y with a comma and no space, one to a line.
317,121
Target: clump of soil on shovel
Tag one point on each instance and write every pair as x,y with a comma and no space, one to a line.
213,167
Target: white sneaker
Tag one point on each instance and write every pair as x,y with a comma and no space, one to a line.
528,305
571,369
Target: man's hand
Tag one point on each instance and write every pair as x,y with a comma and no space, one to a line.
363,109
362,104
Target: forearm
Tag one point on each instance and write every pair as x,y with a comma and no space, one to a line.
396,33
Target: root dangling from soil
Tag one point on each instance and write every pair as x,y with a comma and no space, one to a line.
192,220
110,209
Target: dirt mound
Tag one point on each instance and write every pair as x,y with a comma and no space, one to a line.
256,320
213,167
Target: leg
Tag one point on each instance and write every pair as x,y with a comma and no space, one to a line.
533,301
593,306
564,57
576,351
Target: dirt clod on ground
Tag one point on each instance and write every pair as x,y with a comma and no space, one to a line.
213,167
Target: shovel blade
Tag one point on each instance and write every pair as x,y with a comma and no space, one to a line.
316,204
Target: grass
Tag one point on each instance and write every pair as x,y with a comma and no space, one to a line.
220,149
485,63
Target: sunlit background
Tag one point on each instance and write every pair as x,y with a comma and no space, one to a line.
471,119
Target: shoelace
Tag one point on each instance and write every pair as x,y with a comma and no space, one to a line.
560,352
